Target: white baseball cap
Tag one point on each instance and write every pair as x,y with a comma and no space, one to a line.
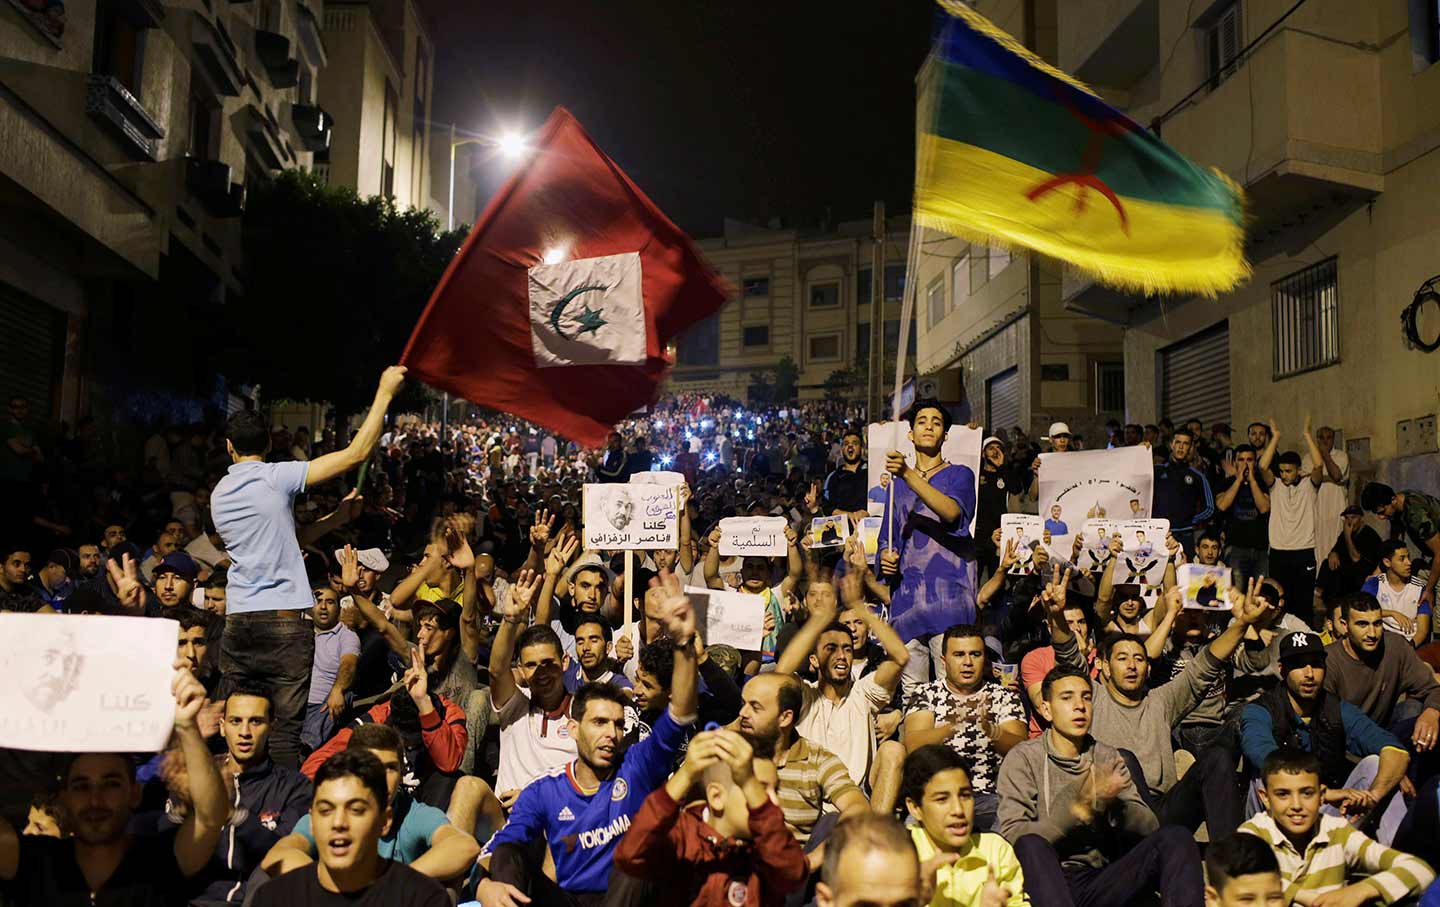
1058,428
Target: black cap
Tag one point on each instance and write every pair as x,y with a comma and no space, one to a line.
1301,647
1352,510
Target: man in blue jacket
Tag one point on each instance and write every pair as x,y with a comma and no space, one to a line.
1182,494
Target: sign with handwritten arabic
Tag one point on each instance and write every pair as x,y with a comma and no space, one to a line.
86,683
1082,485
762,536
730,618
631,517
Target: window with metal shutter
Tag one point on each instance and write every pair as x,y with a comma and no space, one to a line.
30,350
1195,377
1002,401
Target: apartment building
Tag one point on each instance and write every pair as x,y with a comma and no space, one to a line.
1328,113
992,325
801,294
378,85
129,131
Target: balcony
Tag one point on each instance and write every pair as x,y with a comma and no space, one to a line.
209,181
264,138
312,126
281,67
218,55
312,42
1111,43
112,104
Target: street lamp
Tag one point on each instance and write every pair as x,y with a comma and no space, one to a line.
512,146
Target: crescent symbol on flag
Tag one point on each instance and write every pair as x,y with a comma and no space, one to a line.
565,300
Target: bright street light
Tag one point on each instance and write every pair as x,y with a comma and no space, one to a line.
512,145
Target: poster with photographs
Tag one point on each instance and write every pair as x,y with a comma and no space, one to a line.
829,531
1204,588
758,536
961,447
86,683
1082,485
1027,531
1142,556
634,517
1095,544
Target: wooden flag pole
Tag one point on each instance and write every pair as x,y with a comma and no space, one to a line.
630,597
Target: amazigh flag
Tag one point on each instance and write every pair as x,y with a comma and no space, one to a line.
560,305
1014,152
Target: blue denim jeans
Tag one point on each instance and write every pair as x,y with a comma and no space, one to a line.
1246,564
273,651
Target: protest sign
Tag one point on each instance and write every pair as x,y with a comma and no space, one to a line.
1142,555
729,618
1205,588
761,536
657,478
637,517
870,534
86,683
829,531
1081,485
1095,545
1026,530
961,447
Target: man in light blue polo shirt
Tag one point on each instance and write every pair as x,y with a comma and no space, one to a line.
266,639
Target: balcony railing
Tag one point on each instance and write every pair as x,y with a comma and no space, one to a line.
112,104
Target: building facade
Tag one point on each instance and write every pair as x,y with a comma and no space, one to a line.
992,324
801,295
129,130
1327,113
378,86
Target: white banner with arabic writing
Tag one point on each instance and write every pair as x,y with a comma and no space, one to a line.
634,517
762,536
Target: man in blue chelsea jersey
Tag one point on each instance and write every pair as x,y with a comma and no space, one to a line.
584,808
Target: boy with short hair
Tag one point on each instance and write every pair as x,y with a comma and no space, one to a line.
1241,871
1321,853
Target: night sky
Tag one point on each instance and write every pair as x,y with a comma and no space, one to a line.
752,109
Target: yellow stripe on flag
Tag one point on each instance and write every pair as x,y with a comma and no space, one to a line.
982,196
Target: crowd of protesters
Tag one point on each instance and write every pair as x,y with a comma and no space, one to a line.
401,679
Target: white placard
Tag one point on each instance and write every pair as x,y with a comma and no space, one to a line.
829,531
1027,531
1081,485
1204,588
759,536
85,683
1142,556
636,517
1095,544
961,447
730,618
657,478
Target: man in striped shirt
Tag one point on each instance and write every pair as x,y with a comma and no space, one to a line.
1322,854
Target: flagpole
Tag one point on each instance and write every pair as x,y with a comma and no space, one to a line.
907,309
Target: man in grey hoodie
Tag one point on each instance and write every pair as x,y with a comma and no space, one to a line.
1129,714
1079,826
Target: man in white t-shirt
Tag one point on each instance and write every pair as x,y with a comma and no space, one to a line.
266,639
1398,592
1292,525
1334,466
839,711
530,702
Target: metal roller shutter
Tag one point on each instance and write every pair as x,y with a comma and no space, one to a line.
1002,401
1195,377
30,350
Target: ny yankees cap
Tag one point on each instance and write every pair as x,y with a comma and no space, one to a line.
1301,647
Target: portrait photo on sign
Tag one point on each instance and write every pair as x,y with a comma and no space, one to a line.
1204,587
1142,555
829,531
641,517
1027,531
1096,536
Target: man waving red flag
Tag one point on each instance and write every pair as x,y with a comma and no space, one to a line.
559,306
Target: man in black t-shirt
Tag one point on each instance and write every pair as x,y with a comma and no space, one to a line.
1246,505
102,864
349,812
